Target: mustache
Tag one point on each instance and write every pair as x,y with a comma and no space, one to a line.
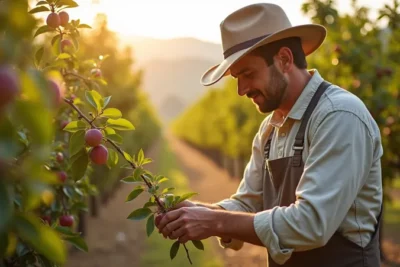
252,94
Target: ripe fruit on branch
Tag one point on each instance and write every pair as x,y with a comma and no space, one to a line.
66,220
99,154
53,20
62,176
93,137
66,46
96,73
64,18
55,91
60,157
9,86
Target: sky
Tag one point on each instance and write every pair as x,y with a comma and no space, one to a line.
185,18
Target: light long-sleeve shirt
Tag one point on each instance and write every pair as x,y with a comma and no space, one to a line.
341,186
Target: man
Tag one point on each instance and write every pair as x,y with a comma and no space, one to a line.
311,192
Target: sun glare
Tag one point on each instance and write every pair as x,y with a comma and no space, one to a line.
178,18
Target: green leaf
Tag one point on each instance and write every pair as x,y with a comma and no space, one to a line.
109,131
186,196
115,137
58,36
38,56
135,193
75,126
78,242
130,180
163,180
94,99
41,3
6,207
56,45
140,214
79,165
166,190
146,161
69,3
174,249
64,56
39,9
85,26
140,157
80,206
150,225
76,142
112,159
120,124
198,244
66,231
42,30
149,204
106,101
43,239
112,113
128,157
137,173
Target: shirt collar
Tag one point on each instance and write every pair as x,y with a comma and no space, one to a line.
302,102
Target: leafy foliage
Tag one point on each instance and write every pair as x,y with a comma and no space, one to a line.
51,99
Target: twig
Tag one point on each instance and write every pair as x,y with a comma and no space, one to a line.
71,103
86,81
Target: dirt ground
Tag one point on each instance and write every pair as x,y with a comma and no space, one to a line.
115,241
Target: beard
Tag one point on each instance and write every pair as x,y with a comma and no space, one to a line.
270,97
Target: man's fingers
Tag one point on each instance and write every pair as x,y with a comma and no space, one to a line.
177,233
183,239
167,218
171,227
158,218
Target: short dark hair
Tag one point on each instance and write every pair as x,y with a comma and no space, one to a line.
268,51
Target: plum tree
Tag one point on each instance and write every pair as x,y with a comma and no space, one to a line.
93,137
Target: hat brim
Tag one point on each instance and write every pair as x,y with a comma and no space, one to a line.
312,36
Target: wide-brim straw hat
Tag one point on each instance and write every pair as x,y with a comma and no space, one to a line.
256,25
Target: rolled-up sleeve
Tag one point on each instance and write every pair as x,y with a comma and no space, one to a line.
340,156
248,196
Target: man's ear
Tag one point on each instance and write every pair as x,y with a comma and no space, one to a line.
285,59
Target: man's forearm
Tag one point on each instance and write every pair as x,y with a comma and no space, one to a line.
207,205
237,225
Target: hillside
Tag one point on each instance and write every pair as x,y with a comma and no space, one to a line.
172,70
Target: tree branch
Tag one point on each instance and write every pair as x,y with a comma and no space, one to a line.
149,185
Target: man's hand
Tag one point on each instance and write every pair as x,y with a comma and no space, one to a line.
185,203
186,223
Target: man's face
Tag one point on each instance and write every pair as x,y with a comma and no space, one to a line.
266,86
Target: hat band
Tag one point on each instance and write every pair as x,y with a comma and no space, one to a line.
243,45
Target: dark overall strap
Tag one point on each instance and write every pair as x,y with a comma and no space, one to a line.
267,146
299,141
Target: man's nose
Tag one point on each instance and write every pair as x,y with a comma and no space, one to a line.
243,88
